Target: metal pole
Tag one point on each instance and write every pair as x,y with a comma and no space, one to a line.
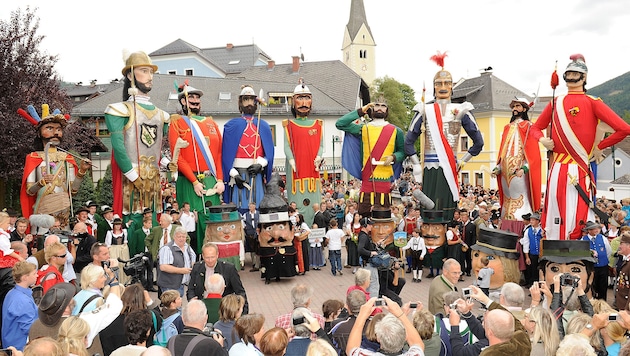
333,163
614,164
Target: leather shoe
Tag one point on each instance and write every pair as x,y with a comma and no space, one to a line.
267,281
152,289
430,275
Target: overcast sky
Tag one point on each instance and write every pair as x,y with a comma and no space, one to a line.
521,40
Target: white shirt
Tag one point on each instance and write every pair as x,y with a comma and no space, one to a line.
334,237
188,221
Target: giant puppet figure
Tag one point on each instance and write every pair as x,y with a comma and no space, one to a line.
224,228
303,147
51,175
443,121
247,154
372,152
196,149
574,120
571,257
499,247
137,128
518,168
275,235
433,231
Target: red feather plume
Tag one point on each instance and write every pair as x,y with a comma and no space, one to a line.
439,58
28,117
554,77
577,56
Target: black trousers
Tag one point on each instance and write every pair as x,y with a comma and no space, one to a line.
531,273
600,282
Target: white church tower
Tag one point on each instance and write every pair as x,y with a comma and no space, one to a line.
358,44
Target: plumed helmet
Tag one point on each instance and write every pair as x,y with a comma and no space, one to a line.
301,88
247,90
439,60
137,59
190,90
577,64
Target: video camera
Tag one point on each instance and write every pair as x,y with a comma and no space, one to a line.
135,267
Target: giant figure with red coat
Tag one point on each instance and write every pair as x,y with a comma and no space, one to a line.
50,174
574,119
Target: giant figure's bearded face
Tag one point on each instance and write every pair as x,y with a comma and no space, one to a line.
51,132
276,234
302,104
143,77
434,234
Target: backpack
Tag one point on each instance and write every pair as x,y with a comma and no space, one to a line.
38,290
167,330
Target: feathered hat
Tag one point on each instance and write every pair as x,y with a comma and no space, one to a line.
439,60
30,114
301,88
577,64
187,89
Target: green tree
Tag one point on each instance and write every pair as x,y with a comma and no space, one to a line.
400,100
27,76
85,193
104,190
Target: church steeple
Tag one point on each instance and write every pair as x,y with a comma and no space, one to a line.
358,46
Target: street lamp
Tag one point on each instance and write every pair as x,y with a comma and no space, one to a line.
335,139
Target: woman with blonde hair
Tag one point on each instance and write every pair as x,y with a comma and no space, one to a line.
578,323
73,335
320,347
230,309
93,279
542,330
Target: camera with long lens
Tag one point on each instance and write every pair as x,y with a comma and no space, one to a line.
135,267
568,280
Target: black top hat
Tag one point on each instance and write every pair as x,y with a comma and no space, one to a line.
433,217
83,208
497,242
591,225
273,208
54,303
381,214
565,251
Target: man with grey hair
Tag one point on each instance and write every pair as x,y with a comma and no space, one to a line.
175,260
303,325
301,295
340,330
195,316
512,298
391,332
215,286
451,271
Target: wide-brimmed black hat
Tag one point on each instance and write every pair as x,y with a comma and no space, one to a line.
433,217
526,216
54,303
497,242
565,251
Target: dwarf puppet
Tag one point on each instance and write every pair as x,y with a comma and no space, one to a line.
434,234
500,248
275,235
567,256
224,228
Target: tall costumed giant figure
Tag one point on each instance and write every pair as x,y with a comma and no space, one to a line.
303,146
137,128
195,143
247,154
373,152
443,122
574,120
51,174
518,170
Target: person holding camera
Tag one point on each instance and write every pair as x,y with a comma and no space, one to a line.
367,250
81,251
304,323
600,249
195,316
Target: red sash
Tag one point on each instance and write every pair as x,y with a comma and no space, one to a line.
377,151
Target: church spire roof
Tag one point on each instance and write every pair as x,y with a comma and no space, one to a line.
357,18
